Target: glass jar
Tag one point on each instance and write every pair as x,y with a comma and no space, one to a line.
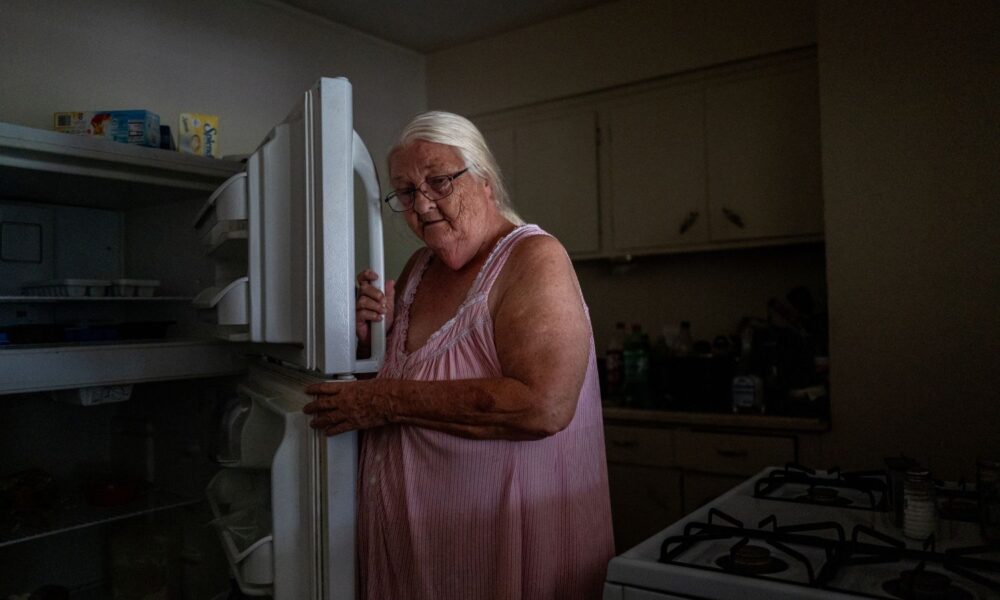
919,511
988,486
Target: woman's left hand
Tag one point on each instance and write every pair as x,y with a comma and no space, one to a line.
347,406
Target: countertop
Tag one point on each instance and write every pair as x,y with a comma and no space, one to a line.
636,416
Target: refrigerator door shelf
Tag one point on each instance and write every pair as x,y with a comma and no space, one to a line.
230,303
227,203
240,504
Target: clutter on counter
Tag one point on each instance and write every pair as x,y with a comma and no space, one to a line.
776,364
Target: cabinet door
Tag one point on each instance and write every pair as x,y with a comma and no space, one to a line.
731,453
700,489
555,167
644,500
550,167
763,152
657,171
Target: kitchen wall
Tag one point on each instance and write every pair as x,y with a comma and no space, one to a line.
911,172
909,123
247,62
621,43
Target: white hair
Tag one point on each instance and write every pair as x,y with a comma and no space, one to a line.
458,132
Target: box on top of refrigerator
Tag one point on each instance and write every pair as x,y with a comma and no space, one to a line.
128,126
199,134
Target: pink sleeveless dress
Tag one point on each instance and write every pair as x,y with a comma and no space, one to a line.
442,517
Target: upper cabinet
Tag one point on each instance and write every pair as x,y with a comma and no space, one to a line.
763,153
724,157
550,166
656,174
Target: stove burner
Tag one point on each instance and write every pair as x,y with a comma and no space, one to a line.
824,495
924,585
748,559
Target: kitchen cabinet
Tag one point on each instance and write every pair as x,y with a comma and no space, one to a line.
718,158
663,464
645,485
77,206
550,165
763,153
657,171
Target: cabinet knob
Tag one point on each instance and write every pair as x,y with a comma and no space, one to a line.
734,217
688,221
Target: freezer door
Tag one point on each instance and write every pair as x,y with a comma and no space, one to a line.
300,203
298,294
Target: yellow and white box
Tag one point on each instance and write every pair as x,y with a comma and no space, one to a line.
199,134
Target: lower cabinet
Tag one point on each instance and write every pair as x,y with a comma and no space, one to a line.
644,500
657,474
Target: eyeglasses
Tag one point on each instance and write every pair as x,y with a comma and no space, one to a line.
438,187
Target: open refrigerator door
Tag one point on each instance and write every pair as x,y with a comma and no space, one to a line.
284,501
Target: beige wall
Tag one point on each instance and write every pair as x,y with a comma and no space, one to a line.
611,45
909,99
911,169
625,42
245,61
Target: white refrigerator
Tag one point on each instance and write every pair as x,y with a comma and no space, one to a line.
279,240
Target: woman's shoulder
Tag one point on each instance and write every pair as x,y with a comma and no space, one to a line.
535,258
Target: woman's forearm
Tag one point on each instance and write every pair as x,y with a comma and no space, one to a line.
493,408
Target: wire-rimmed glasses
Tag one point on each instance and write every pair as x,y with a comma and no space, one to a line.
433,188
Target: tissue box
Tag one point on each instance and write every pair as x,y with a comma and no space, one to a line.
199,134
128,126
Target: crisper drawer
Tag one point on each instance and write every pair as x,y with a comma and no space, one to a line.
639,445
733,454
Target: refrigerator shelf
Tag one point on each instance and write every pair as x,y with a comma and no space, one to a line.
41,523
29,369
47,299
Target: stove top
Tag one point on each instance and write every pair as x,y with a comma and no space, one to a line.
762,540
862,490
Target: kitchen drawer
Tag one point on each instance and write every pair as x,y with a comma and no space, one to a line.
731,454
640,445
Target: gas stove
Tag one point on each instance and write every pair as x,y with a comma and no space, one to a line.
797,533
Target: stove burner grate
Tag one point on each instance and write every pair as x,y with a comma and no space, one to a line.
749,559
919,584
826,489
824,495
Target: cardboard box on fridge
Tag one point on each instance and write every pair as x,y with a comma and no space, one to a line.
139,127
199,134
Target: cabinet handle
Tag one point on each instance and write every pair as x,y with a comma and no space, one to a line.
732,453
734,218
688,221
624,444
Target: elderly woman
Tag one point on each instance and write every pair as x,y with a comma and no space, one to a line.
482,468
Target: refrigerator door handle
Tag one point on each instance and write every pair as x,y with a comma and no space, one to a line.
365,168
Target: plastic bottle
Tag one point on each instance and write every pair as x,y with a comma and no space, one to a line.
684,342
659,356
636,366
747,388
614,363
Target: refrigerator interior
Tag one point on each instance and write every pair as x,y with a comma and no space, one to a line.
109,500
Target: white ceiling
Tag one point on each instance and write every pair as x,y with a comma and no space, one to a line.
429,25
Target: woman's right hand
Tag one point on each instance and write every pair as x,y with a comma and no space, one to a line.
372,305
